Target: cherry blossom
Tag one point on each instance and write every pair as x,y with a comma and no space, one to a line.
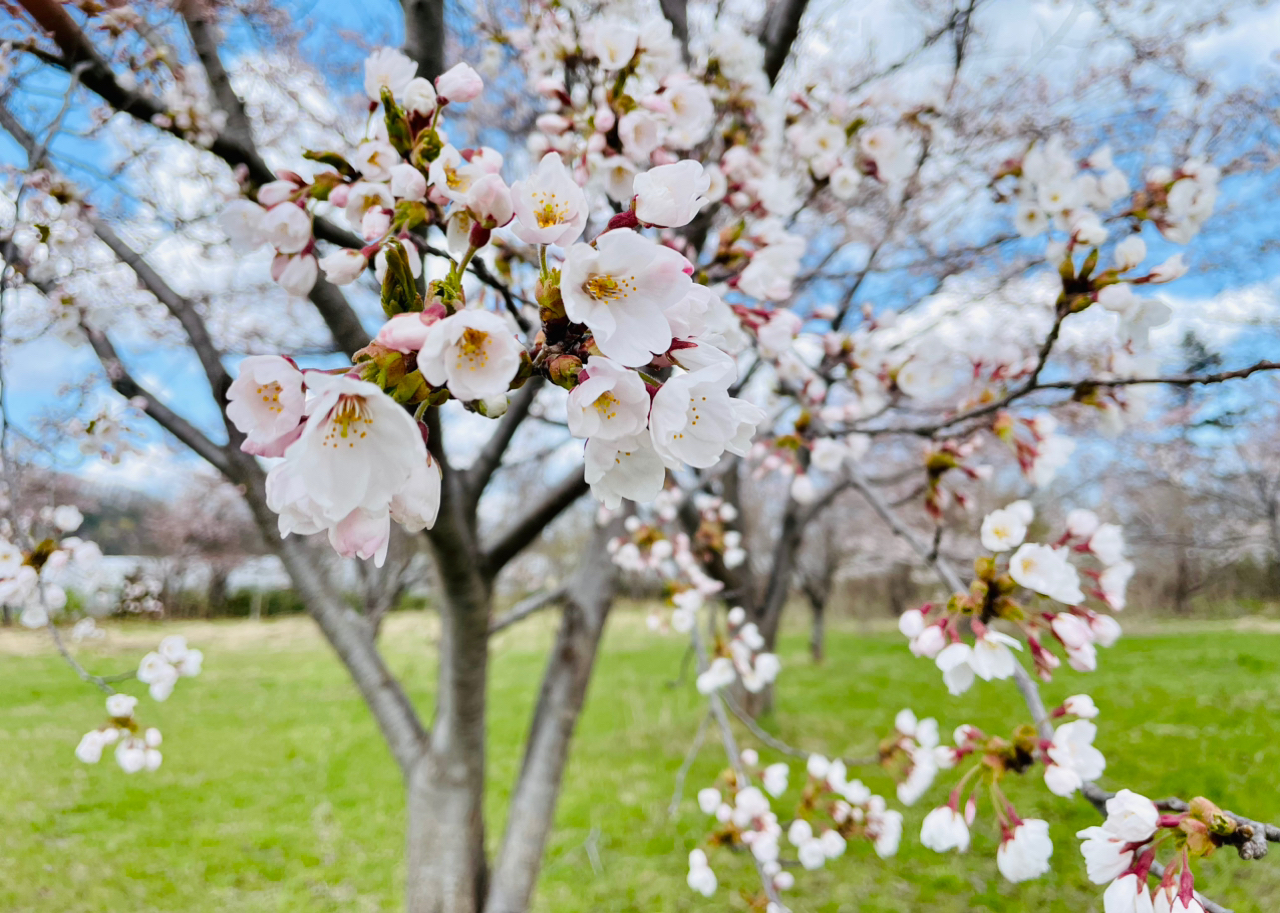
620,289
471,352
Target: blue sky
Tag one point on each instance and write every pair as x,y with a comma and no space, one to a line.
34,372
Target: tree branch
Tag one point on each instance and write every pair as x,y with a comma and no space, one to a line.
531,525
560,702
526,607
237,149
780,31
424,35
216,455
1027,686
477,477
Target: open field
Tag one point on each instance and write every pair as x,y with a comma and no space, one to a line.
277,794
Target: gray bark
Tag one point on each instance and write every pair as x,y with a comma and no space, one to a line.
424,35
564,690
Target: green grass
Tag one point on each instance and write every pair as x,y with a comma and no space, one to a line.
277,794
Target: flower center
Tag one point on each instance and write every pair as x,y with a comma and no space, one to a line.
608,288
454,180
606,404
473,348
550,211
270,394
346,421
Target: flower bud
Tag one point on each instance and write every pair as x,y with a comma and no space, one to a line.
563,370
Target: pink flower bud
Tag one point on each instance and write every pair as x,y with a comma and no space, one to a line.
459,84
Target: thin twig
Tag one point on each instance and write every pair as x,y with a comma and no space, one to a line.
678,794
526,607
780,746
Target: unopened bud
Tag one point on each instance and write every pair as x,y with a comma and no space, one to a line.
563,370
493,407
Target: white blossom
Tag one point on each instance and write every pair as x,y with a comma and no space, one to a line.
472,352
1024,854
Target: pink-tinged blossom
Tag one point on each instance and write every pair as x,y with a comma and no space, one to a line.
1107,543
241,220
670,196
944,829
626,468
694,420
957,671
362,534
286,227
1173,268
1114,581
700,878
620,289
611,403
1074,758
1080,705
374,159
612,41
1024,853
489,201
1072,630
640,132
407,182
364,196
460,83
1130,252
772,271
403,332
416,505
992,657
929,642
358,449
296,275
778,333
550,207
689,110
265,402
1082,523
342,267
451,174
419,96
472,352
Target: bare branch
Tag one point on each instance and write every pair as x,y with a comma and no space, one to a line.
780,746
780,31
424,35
560,702
526,607
216,455
683,773
477,476
531,525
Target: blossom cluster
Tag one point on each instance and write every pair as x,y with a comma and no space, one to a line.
138,747
31,579
1009,588
831,811
742,657
1122,851
616,315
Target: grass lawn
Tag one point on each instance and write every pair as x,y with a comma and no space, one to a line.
277,794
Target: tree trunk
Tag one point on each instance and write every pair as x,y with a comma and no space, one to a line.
446,867
817,634
564,691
